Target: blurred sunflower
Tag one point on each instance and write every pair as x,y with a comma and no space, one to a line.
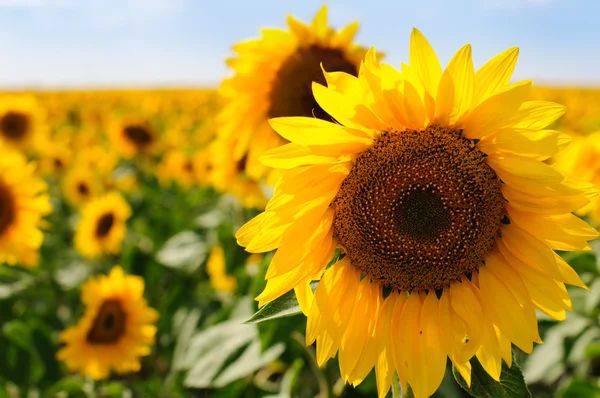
273,78
180,167
22,123
133,136
116,329
433,188
582,159
54,159
23,203
102,227
216,269
228,177
80,185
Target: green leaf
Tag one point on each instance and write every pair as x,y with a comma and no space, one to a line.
511,385
592,350
284,306
580,388
19,333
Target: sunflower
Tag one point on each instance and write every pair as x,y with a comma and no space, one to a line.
116,329
133,136
582,158
102,227
432,187
180,167
273,78
22,123
80,185
23,203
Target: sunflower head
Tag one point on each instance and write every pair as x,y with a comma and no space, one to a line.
23,203
133,136
432,185
116,330
80,185
273,78
102,227
22,122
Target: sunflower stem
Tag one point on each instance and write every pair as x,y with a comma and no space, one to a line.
318,372
396,389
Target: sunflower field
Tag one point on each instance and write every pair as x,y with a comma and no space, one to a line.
321,224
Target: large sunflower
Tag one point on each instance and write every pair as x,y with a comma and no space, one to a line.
23,203
273,78
102,227
22,122
432,186
116,329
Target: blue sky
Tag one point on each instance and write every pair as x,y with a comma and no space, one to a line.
140,43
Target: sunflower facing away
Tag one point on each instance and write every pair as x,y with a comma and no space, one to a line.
116,329
23,203
273,77
102,227
433,188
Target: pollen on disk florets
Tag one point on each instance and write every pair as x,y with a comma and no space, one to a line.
419,209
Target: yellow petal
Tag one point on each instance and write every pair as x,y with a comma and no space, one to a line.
519,170
293,155
311,131
540,146
496,111
536,115
506,310
425,62
458,83
494,76
566,231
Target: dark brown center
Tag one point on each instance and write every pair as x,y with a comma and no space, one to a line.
7,208
83,189
105,224
58,164
419,209
109,324
14,125
291,94
139,135
188,166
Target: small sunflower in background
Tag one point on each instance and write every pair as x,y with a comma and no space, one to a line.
217,271
133,136
273,77
55,158
582,159
80,185
180,167
23,203
116,330
433,188
22,122
102,227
